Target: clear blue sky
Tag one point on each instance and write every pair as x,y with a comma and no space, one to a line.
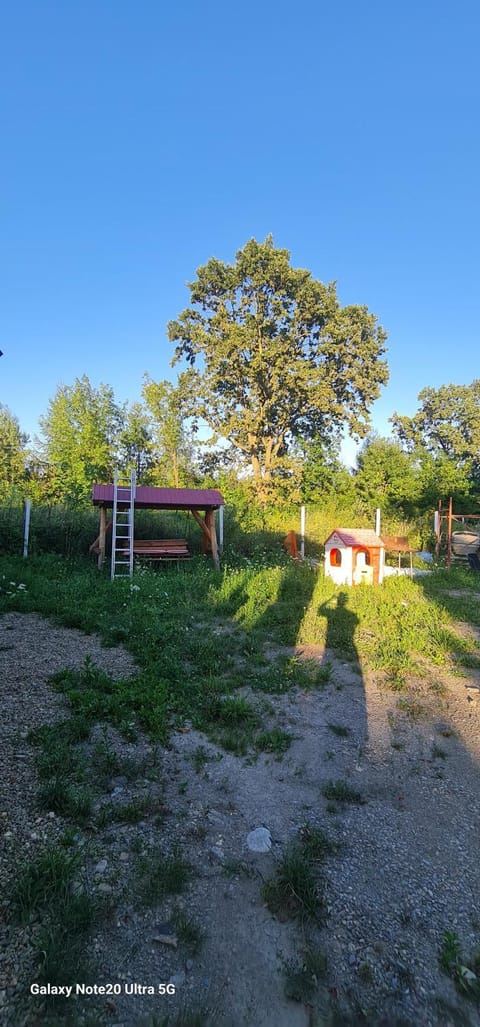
139,139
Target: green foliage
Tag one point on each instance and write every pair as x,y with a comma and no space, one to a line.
446,428
386,477
136,444
80,429
341,791
172,439
464,972
281,360
294,889
276,741
13,455
158,875
301,979
43,881
189,933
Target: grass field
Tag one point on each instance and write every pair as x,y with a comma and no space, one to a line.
213,651
198,635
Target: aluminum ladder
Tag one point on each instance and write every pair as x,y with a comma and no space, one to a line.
123,519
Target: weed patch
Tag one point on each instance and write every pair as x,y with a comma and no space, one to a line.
158,875
301,979
464,972
341,791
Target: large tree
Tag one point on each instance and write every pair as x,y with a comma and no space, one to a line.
446,424
444,436
81,432
172,440
274,358
387,477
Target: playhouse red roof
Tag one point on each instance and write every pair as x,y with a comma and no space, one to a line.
357,537
150,498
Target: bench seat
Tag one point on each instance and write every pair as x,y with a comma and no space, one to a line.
161,549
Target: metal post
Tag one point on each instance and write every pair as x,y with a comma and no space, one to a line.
449,532
220,528
26,527
302,532
377,520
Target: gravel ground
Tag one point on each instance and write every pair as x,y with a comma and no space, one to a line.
405,870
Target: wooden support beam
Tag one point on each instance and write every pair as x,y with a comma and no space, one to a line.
201,522
209,534
210,522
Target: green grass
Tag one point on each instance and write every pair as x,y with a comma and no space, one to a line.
66,799
158,875
295,888
275,741
339,729
301,978
465,972
341,791
43,881
183,669
315,843
128,812
188,931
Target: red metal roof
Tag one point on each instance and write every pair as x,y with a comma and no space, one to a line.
357,537
149,498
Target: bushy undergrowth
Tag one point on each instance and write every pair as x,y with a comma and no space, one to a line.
252,531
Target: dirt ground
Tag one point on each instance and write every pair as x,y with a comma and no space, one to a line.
404,870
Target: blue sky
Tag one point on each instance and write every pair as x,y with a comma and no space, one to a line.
139,139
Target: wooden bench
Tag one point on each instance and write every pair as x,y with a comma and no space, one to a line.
161,549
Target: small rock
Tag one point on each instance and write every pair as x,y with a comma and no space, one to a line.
189,964
105,889
259,840
120,781
124,856
178,979
101,867
217,853
166,939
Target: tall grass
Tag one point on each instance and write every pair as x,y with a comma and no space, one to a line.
251,531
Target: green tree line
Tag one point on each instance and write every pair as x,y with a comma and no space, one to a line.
276,370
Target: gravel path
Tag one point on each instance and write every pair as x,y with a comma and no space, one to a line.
406,868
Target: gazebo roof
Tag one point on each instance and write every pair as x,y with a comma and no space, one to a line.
151,498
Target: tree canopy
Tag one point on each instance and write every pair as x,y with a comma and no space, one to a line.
273,357
81,431
12,451
447,423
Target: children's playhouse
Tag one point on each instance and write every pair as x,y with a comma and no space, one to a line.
354,556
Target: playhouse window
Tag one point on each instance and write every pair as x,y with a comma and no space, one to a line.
335,558
366,554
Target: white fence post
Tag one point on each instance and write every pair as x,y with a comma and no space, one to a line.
26,527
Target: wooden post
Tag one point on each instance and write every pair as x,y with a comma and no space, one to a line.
101,537
210,522
449,532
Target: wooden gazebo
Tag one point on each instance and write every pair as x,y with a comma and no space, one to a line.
196,501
